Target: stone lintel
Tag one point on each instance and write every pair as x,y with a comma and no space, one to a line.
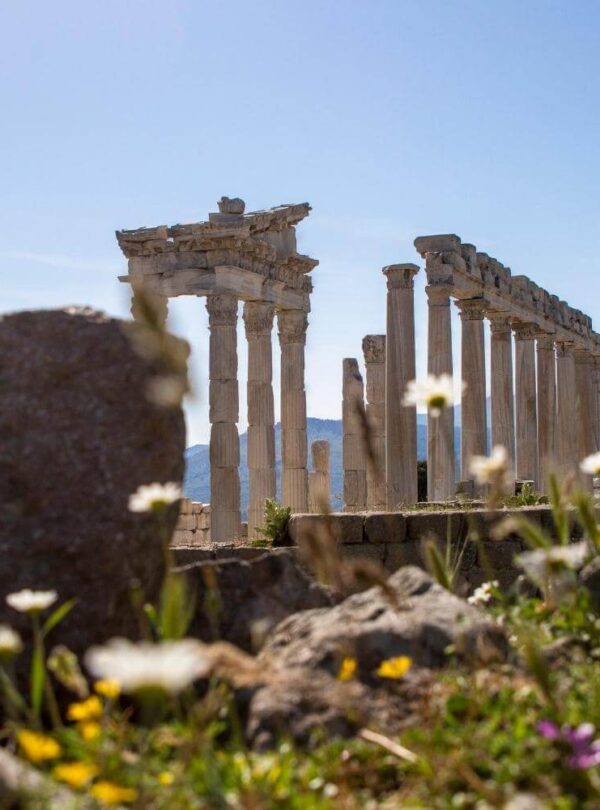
437,243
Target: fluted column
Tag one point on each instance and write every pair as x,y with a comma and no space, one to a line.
526,406
473,416
400,420
566,409
441,469
501,367
258,320
223,415
319,483
546,409
596,401
584,405
374,354
353,444
292,326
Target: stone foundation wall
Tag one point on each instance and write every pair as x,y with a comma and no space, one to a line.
395,539
193,526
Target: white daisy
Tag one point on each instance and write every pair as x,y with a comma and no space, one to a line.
151,496
483,594
10,641
591,464
435,393
28,601
489,469
170,665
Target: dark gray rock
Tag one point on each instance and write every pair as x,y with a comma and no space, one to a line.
425,621
590,578
240,601
78,435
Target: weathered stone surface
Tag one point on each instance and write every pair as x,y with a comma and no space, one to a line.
240,601
78,436
385,527
590,578
346,527
366,625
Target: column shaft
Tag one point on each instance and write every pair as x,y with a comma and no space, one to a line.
353,443
400,420
546,409
584,405
292,325
223,415
566,410
501,367
441,464
319,483
526,409
258,320
374,354
473,417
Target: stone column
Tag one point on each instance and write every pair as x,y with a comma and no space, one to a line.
223,415
319,483
441,465
565,409
292,324
473,416
596,401
546,409
584,405
374,354
353,449
400,421
501,367
258,319
526,408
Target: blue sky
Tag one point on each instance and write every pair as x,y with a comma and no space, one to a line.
393,118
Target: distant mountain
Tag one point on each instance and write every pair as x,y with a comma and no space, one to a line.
197,472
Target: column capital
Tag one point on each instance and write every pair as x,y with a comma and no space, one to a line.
258,318
545,340
400,276
471,309
222,309
525,331
499,322
565,348
374,348
292,325
438,295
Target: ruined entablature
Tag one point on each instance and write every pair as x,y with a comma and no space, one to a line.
183,259
470,274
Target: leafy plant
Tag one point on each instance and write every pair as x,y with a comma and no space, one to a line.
276,521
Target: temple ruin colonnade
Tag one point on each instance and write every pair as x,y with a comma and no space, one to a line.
232,257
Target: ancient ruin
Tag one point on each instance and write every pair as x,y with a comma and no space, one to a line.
250,257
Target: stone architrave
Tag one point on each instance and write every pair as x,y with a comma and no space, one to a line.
501,367
374,356
526,406
546,409
473,410
353,450
584,405
258,320
319,482
441,470
400,420
566,412
223,415
292,326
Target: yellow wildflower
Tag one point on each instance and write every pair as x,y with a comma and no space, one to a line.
38,747
394,667
111,793
108,688
89,729
347,669
90,709
166,778
75,774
